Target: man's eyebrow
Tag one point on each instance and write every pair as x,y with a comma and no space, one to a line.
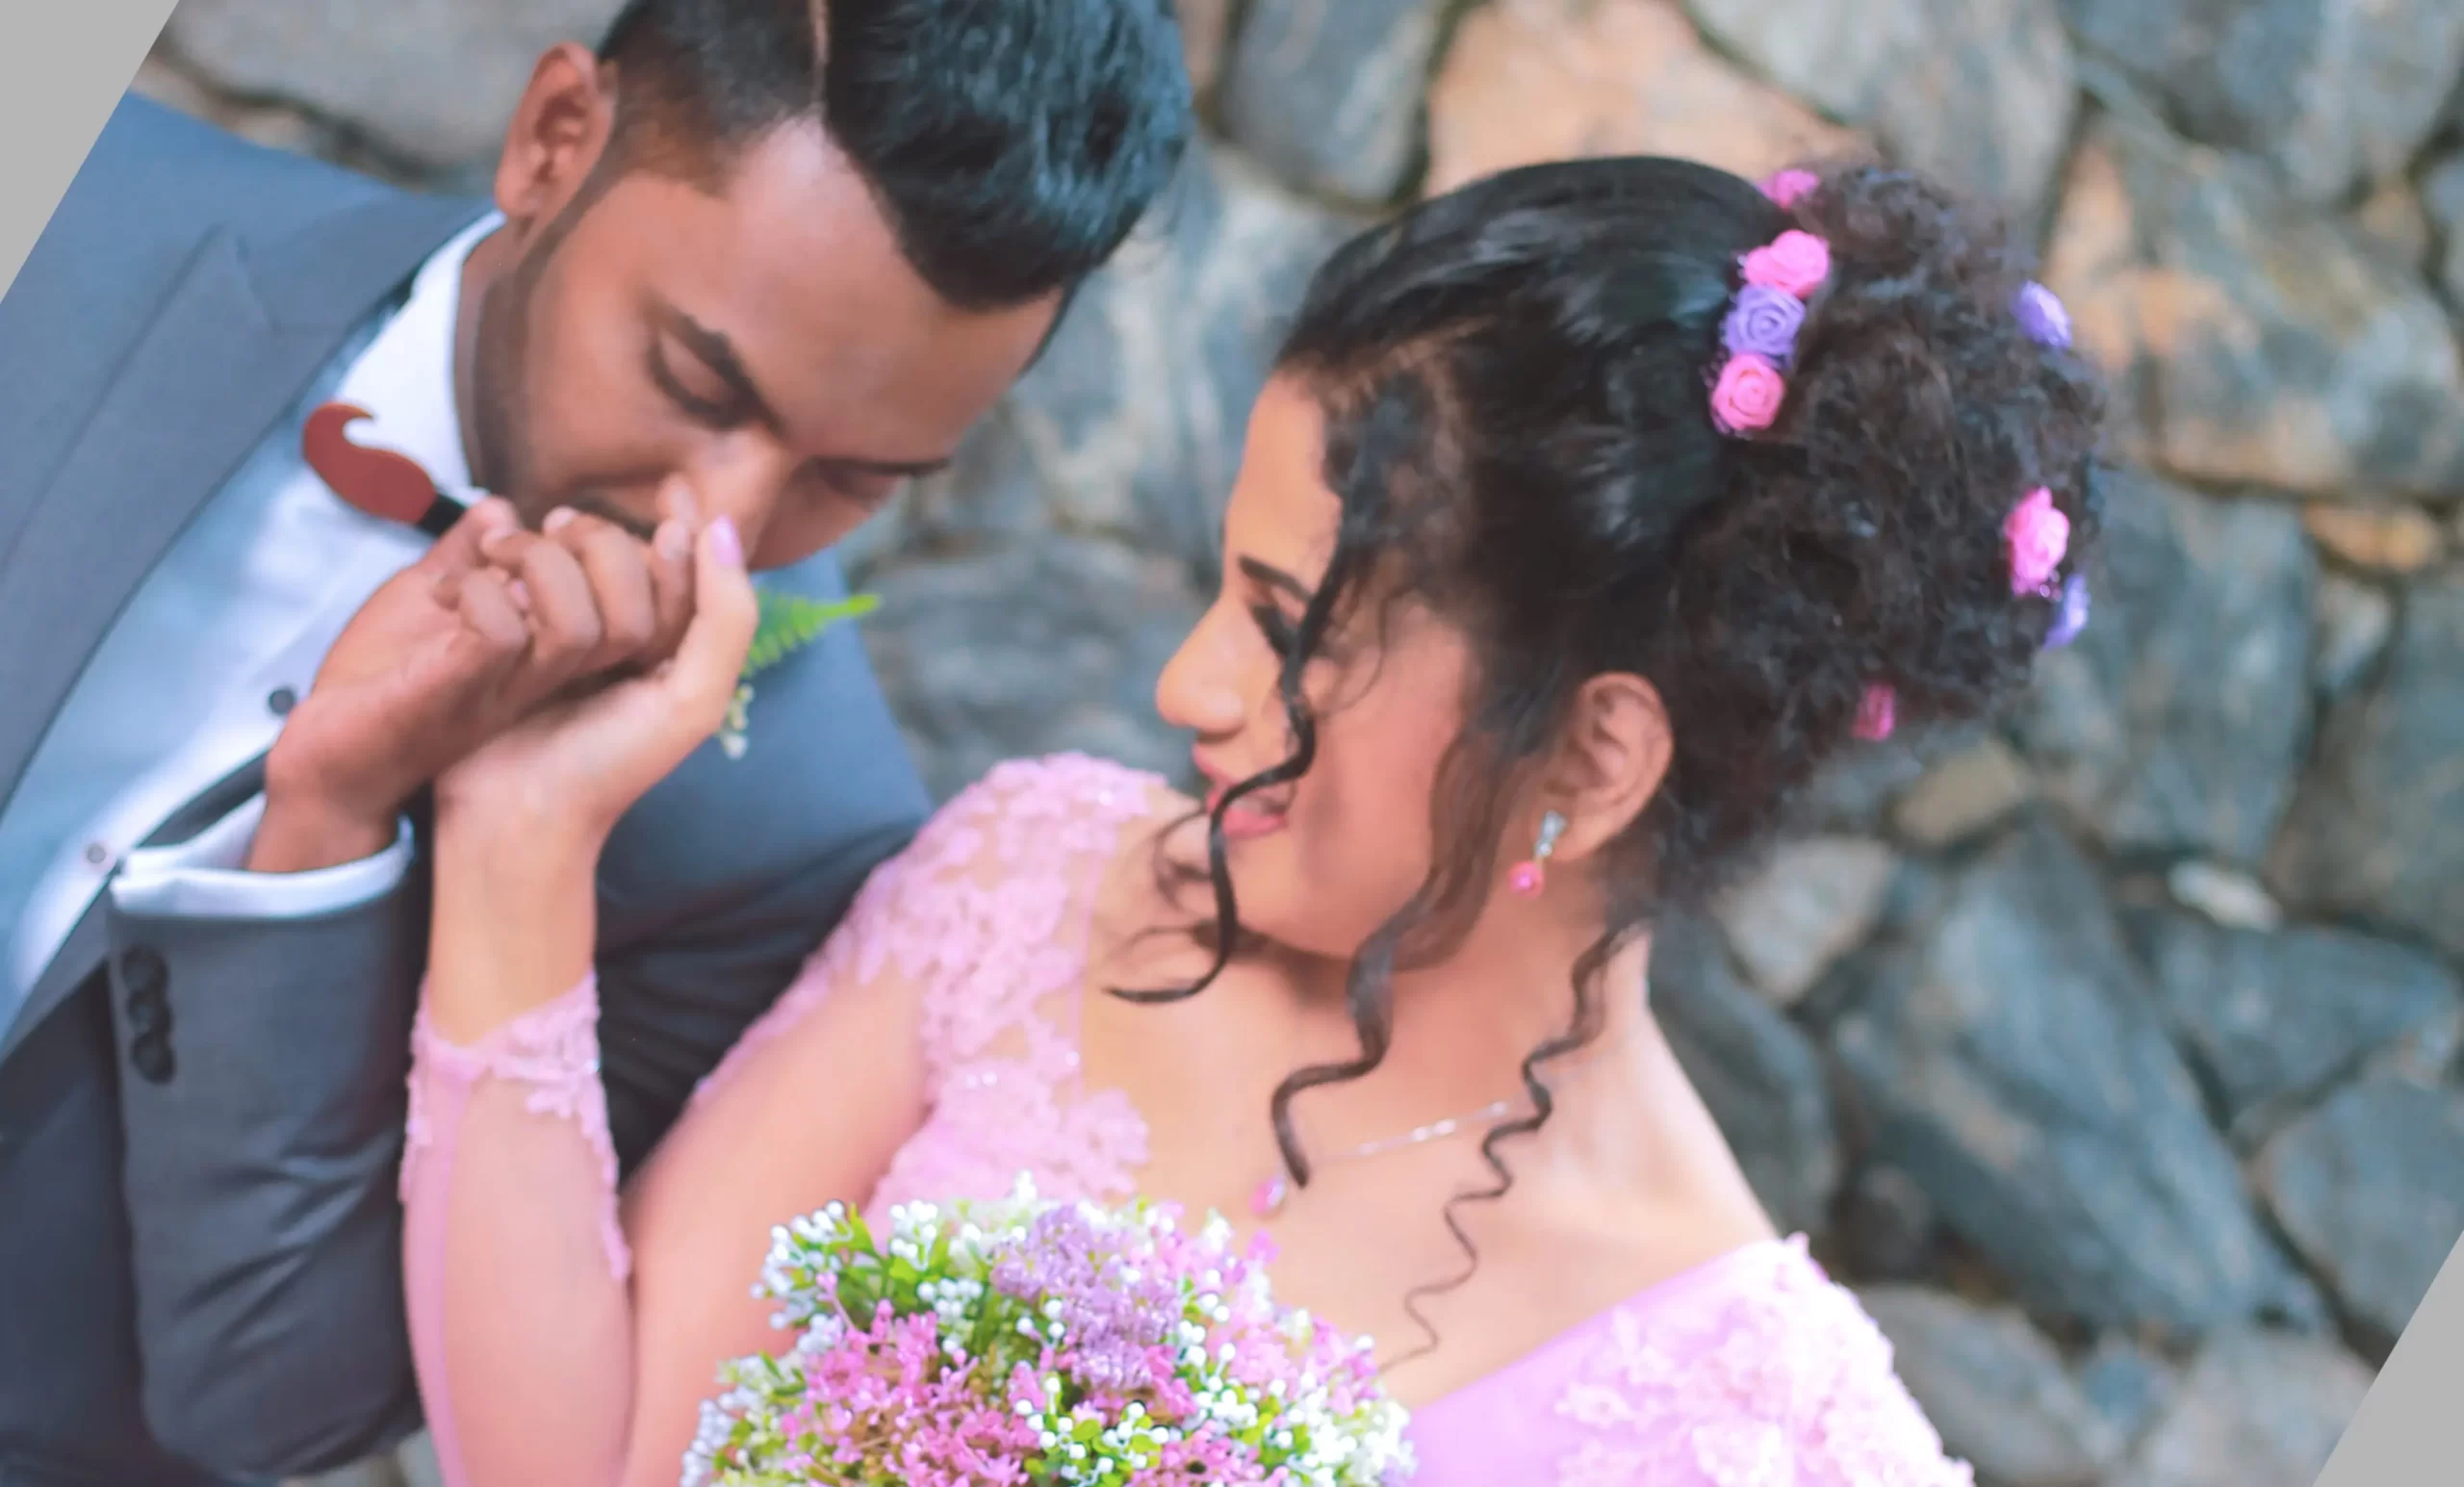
718,352
888,469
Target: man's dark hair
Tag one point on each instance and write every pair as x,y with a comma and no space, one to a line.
1012,145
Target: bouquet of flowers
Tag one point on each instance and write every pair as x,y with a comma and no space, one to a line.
1033,1342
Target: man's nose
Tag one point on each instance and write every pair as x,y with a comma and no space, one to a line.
741,479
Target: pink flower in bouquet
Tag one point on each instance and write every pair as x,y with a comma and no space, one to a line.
1059,1345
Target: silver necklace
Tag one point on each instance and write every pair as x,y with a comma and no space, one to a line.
1268,1198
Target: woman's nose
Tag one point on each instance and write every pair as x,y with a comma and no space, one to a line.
1199,689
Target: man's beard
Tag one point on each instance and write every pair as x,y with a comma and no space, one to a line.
500,385
498,361
501,360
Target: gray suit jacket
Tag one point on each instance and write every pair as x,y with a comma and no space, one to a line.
200,1121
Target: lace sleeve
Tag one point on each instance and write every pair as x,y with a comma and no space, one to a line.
550,1352
519,1118
1774,1377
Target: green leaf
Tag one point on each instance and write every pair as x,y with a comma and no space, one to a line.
791,622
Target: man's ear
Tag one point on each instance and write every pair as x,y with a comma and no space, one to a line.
560,128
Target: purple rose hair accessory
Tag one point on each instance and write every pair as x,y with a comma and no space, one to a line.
2041,316
1764,322
2071,616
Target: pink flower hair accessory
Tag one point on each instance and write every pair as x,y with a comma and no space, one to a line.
1747,398
2036,535
1790,187
1877,712
1793,263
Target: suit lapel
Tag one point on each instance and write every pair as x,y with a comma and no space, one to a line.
241,336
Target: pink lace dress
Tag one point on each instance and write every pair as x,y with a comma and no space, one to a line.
1751,1371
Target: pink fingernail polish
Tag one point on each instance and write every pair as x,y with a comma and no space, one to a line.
726,543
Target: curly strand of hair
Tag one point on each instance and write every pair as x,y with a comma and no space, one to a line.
1582,1029
1315,619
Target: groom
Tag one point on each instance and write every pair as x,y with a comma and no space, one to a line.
784,253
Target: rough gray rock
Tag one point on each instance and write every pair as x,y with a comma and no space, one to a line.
1884,1226
2395,219
1979,92
2256,1409
2177,721
2224,895
2443,197
435,79
1814,901
1132,423
1995,1388
2251,338
2333,91
1206,29
2378,829
2010,1060
1541,80
2129,1385
2352,622
2272,1019
1760,1076
1327,93
1964,796
2370,1187
1051,644
1853,794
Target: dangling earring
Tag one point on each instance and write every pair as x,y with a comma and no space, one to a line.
1528,878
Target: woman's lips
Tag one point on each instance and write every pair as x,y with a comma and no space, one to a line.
1249,819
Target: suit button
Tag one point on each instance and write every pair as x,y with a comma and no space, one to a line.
152,1056
143,972
148,1016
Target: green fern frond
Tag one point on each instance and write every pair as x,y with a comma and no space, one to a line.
791,622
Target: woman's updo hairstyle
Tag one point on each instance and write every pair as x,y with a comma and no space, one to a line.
1517,378
1517,384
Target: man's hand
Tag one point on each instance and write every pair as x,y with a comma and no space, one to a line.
488,624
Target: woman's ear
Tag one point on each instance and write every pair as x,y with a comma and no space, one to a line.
1609,763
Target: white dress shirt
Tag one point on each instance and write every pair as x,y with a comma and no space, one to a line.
193,680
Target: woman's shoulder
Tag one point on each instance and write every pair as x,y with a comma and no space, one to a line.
1758,1361
1035,819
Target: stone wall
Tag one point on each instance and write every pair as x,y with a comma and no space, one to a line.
2113,1054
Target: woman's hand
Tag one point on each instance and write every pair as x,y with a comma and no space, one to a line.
520,821
573,768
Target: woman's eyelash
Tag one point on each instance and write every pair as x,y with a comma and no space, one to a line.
1282,635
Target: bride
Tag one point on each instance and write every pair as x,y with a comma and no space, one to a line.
1591,509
